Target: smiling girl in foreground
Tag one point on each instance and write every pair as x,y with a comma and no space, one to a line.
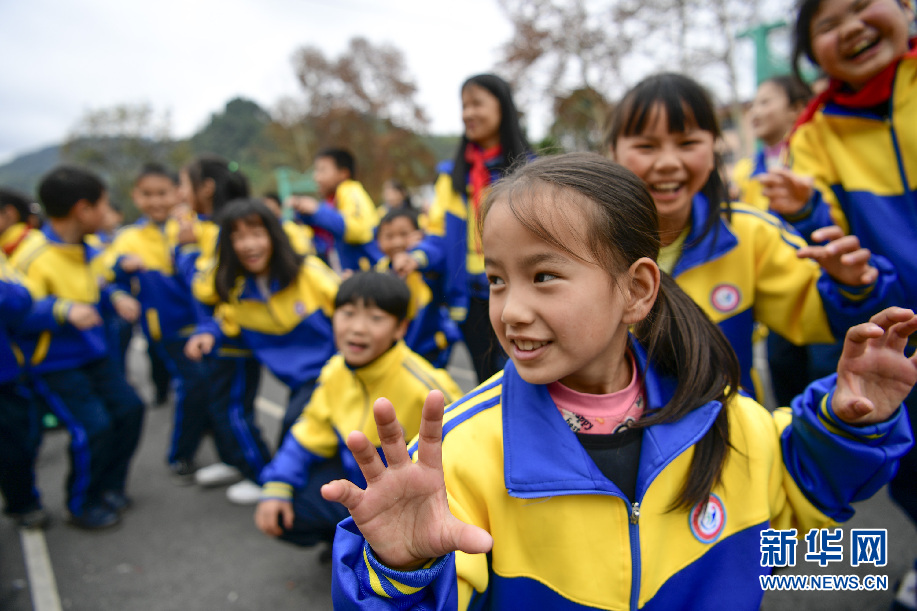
571,514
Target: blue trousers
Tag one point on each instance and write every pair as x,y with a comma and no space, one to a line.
234,386
20,432
903,487
315,518
104,417
192,399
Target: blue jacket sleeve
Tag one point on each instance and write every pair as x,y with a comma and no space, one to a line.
48,314
185,258
431,254
15,302
846,306
836,464
290,467
328,218
814,215
359,581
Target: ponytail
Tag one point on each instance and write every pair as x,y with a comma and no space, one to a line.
682,342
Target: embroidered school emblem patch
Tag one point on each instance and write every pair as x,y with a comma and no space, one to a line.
725,297
708,519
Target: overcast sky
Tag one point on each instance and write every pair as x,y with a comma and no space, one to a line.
61,58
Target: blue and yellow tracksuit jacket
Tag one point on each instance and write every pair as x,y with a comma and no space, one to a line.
61,274
351,221
289,331
745,174
865,170
452,237
430,330
168,307
342,403
746,270
15,304
565,537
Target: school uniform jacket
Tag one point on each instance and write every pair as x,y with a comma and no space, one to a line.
61,274
430,329
342,403
452,237
865,170
164,295
289,331
15,303
746,270
565,537
351,219
745,175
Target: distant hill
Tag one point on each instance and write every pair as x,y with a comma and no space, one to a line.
24,172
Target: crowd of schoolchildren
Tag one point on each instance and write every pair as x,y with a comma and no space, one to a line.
609,303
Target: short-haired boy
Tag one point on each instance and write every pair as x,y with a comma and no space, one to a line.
373,361
346,217
64,346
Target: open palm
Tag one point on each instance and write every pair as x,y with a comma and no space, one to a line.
403,513
873,374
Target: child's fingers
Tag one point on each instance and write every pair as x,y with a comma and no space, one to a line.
344,492
430,435
827,234
391,435
365,454
288,514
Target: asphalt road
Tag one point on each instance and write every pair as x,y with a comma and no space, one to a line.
187,548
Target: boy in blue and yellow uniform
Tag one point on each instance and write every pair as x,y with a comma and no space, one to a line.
369,324
19,419
144,256
64,346
346,217
431,332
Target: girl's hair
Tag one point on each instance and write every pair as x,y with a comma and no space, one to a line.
797,91
387,292
687,104
802,35
622,226
285,262
512,140
229,183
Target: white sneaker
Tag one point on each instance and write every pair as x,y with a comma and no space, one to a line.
217,474
906,597
245,492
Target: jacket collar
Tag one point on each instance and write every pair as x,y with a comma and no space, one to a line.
381,367
718,241
543,457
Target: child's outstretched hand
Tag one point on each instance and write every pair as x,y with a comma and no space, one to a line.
403,513
127,307
303,204
842,257
404,264
131,263
787,192
873,375
199,345
83,316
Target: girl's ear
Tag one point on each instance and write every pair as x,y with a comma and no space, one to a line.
645,279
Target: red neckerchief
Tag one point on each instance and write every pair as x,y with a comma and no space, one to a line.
9,248
875,92
479,174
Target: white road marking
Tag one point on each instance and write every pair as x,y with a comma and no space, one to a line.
38,566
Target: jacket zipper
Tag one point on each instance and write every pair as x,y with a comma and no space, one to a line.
634,529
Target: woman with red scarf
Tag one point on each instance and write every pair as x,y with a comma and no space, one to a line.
853,154
492,142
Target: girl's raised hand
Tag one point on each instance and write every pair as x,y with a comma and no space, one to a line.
873,374
787,192
842,257
403,513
